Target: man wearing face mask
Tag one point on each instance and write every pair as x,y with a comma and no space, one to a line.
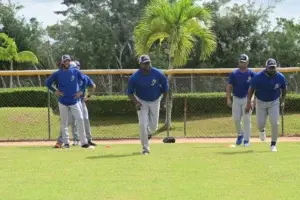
238,84
269,87
145,88
69,93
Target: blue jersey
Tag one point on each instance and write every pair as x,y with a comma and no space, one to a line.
67,83
148,87
89,83
268,88
240,82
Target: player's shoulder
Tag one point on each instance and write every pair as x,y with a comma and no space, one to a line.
157,71
281,76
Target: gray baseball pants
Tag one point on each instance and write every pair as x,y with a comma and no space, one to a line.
76,111
263,109
148,120
238,112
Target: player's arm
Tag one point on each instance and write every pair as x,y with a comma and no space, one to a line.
229,89
49,83
165,88
130,93
283,92
91,87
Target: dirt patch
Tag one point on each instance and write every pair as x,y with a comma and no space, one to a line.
154,141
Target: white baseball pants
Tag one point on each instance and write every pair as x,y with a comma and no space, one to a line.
238,112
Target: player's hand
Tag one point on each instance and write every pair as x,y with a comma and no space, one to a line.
248,107
138,106
229,103
58,93
78,95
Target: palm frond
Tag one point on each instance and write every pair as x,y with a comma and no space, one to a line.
181,48
4,55
161,36
207,37
158,9
9,44
144,31
26,56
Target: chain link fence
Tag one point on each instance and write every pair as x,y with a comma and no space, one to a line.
30,112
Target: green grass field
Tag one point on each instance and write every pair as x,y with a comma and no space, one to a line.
171,171
31,123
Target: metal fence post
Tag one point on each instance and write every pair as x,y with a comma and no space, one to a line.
49,116
184,114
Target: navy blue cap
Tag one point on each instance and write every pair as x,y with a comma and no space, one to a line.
243,58
271,63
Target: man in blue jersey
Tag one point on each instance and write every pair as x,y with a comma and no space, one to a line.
238,84
69,93
145,88
269,87
91,88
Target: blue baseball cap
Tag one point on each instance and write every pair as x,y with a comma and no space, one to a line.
244,58
144,59
271,63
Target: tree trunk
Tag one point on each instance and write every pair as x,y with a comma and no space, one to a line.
39,77
168,120
3,82
11,77
19,82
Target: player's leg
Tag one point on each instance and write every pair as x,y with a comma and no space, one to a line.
154,108
87,125
261,117
143,115
247,123
274,114
237,116
71,122
64,110
77,113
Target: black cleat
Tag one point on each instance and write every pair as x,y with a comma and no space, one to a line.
66,146
92,143
87,146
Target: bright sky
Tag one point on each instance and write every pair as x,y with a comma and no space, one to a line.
43,10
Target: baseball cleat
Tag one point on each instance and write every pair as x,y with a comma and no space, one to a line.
76,143
239,139
262,135
92,143
145,152
246,143
66,146
58,145
273,148
87,146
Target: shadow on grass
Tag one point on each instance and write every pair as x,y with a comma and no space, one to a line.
235,152
114,156
242,152
36,147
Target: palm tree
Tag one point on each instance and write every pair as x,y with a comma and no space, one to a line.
9,52
179,24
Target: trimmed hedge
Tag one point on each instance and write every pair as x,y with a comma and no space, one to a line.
197,103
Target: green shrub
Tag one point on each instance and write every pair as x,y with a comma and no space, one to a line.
197,103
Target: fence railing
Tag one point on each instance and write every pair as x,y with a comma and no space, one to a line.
29,112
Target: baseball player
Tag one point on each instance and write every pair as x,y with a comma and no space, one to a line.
145,88
68,80
91,85
269,87
238,84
